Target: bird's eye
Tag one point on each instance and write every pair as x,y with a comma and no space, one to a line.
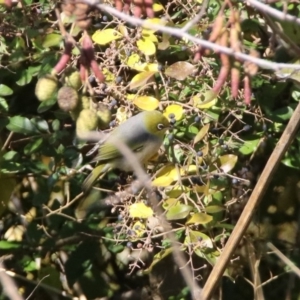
160,126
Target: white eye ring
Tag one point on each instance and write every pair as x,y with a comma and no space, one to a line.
160,126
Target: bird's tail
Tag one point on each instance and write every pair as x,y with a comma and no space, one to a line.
93,176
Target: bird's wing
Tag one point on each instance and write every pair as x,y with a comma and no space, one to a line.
109,151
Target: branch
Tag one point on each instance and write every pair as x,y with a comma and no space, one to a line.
283,144
206,44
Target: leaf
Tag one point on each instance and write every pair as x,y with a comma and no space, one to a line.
46,105
21,125
227,162
3,104
157,7
103,37
5,90
175,109
249,146
201,134
157,258
140,210
198,240
140,79
282,114
148,23
180,70
199,218
168,203
40,124
170,173
139,229
25,78
179,211
33,146
15,233
146,34
205,101
52,39
146,102
177,190
213,209
166,176
5,245
146,46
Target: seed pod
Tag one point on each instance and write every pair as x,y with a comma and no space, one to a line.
73,80
46,87
87,121
104,116
85,102
67,98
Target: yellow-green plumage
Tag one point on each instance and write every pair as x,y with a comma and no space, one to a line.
143,134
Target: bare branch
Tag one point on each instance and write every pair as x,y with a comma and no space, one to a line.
206,44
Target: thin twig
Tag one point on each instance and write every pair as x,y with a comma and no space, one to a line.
285,259
253,202
279,15
197,18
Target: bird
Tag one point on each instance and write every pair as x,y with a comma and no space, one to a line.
142,133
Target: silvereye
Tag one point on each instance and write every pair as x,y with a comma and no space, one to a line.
142,133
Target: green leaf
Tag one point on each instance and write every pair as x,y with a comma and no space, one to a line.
5,245
179,211
40,124
11,155
25,78
249,146
52,39
213,209
3,104
282,114
46,105
5,90
21,125
33,146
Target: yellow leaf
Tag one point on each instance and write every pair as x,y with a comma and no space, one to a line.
151,67
134,62
15,233
169,203
140,210
123,30
227,162
146,46
205,101
157,7
201,134
146,102
121,115
175,109
146,34
130,97
140,79
109,76
149,22
170,173
177,190
166,176
199,218
139,229
103,37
